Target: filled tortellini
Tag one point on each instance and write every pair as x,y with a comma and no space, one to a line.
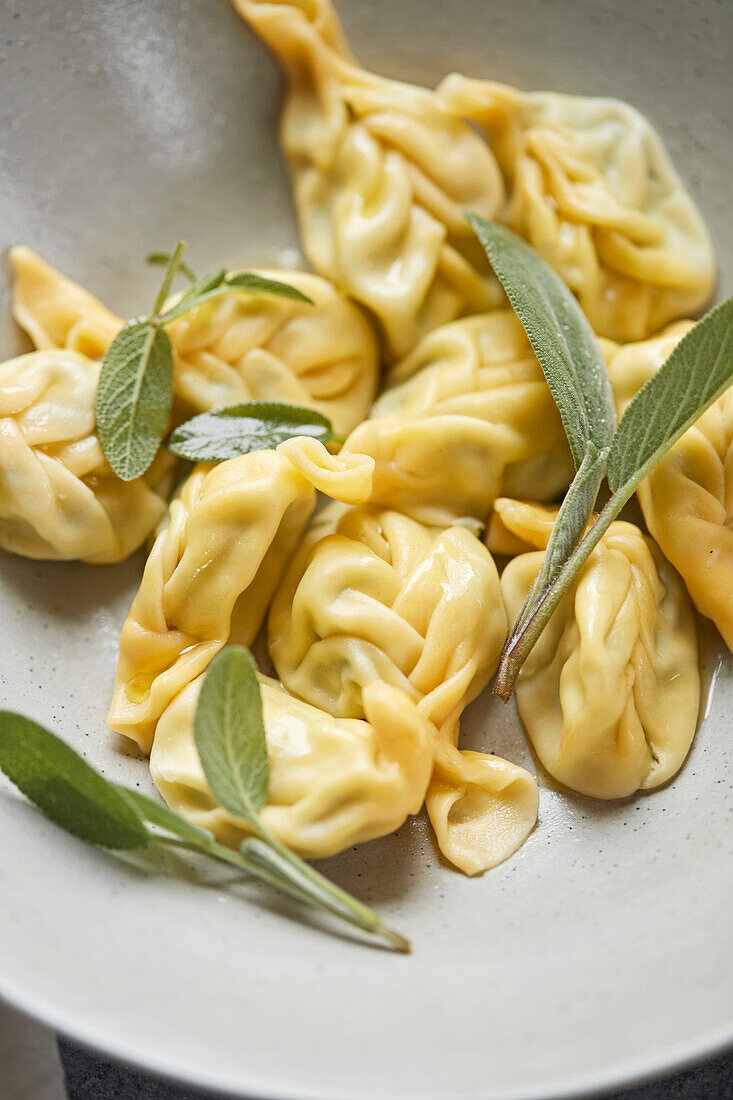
214,567
59,498
382,174
56,312
376,596
611,691
592,188
687,500
241,346
334,782
467,415
260,347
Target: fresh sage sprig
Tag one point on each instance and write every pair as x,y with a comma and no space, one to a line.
695,375
231,739
573,364
238,429
135,388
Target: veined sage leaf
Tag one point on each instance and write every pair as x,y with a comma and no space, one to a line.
64,787
246,280
252,426
560,336
205,287
134,397
697,372
230,733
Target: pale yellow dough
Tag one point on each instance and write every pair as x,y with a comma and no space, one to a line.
687,500
382,174
372,595
238,347
334,782
467,415
592,188
214,567
59,498
610,693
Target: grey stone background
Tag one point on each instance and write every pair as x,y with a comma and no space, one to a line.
89,1077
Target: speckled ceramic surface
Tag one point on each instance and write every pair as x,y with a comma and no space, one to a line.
601,952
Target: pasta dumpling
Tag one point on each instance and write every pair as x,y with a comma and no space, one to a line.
214,567
333,782
465,416
376,596
240,346
592,188
382,175
610,694
59,498
56,312
261,347
687,500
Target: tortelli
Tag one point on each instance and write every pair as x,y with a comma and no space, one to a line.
592,188
382,176
687,500
610,694
59,498
373,596
214,567
333,782
465,417
241,346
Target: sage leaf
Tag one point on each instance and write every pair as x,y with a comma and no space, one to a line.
698,371
247,280
64,787
560,335
252,426
163,259
203,288
134,397
157,813
230,733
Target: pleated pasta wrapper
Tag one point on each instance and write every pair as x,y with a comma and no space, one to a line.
214,567
610,693
261,347
59,498
334,782
382,174
376,596
241,346
593,190
465,417
55,311
687,500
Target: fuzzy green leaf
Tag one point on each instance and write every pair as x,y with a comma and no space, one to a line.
230,733
697,372
64,787
134,397
252,426
560,335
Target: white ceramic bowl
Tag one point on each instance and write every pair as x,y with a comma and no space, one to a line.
601,953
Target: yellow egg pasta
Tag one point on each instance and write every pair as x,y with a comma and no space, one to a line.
592,188
687,500
261,347
466,416
374,596
334,782
59,498
610,694
213,569
382,174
